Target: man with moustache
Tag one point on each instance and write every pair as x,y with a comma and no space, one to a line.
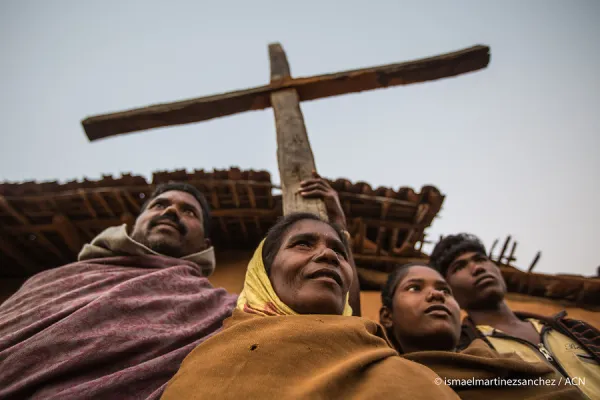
572,347
118,322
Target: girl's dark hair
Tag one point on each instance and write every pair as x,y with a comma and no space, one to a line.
183,187
276,233
394,278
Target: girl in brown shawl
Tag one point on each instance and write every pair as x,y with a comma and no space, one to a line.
422,319
292,335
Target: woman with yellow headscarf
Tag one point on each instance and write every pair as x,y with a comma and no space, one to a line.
292,334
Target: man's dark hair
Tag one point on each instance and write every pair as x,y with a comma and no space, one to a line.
394,278
276,233
183,187
452,246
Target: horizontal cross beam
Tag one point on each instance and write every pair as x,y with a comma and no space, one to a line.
309,88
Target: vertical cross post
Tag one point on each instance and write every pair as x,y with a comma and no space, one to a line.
294,154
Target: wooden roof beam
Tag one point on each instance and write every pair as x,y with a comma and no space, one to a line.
385,208
136,206
252,199
236,197
387,259
20,258
402,225
379,240
37,228
394,238
105,223
68,232
251,196
418,226
4,204
244,212
118,189
381,199
87,204
104,204
119,197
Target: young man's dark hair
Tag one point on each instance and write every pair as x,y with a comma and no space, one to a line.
183,187
450,247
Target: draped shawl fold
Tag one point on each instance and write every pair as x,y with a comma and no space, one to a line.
115,325
478,361
268,351
301,357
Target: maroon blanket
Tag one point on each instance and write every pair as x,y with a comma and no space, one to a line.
113,328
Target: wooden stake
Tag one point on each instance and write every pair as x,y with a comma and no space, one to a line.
504,247
535,260
511,256
492,248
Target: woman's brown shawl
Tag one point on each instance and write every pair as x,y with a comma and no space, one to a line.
478,361
301,356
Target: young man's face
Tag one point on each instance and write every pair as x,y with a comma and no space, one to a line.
475,280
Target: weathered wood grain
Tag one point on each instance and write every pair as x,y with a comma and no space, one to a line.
294,154
310,88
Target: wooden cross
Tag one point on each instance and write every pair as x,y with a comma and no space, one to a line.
284,94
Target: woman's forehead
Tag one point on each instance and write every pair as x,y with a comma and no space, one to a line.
422,272
311,226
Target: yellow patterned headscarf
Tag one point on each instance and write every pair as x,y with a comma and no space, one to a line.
258,295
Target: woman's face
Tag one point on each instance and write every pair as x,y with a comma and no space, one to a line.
424,312
310,272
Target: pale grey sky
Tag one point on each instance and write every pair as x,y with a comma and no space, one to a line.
514,147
